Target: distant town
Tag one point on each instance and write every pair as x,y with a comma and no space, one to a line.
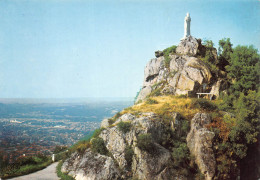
30,129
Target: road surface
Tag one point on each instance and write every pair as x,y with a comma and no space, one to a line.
48,173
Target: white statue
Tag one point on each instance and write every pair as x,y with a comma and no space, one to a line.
53,157
187,21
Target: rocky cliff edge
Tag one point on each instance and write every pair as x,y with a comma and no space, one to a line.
182,73
161,138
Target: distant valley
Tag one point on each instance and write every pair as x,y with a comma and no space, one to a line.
31,126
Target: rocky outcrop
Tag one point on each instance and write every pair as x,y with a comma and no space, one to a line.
152,166
104,123
90,166
185,73
182,73
155,164
152,70
116,141
189,46
193,75
199,141
158,54
145,165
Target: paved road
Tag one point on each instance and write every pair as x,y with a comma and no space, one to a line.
48,173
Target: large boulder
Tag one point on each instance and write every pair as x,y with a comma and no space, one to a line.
152,70
152,166
192,77
199,141
91,166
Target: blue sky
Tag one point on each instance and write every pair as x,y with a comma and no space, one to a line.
69,49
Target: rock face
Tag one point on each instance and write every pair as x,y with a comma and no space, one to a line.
149,166
185,73
145,165
199,141
189,46
91,166
105,123
157,164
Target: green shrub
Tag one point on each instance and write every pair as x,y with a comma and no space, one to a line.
83,146
145,142
137,94
117,115
25,165
139,101
111,121
151,101
166,53
61,156
209,57
124,126
98,146
203,104
181,96
167,61
62,175
180,155
170,50
129,152
156,92
59,149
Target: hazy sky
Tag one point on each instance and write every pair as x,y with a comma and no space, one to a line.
73,48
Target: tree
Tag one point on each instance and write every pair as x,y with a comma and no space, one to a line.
243,69
225,50
210,57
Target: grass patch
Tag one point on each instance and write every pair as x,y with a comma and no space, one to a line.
166,103
61,175
82,145
169,104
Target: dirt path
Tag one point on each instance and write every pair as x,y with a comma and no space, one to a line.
48,173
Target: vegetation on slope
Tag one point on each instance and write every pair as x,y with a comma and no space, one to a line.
25,165
187,107
61,175
235,115
166,54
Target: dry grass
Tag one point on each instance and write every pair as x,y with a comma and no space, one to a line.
165,103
